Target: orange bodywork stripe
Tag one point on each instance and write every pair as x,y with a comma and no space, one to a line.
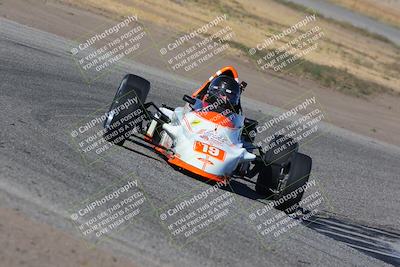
147,138
216,118
180,163
200,89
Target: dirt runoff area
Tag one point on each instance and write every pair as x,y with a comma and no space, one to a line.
24,242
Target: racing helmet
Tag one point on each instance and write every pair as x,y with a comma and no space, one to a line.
225,88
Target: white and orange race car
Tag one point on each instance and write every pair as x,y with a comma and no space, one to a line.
209,136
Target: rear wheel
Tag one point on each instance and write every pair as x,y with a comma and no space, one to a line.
126,113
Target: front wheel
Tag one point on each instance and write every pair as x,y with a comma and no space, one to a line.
295,184
126,113
275,164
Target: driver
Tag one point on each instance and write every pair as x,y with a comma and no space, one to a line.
223,95
221,103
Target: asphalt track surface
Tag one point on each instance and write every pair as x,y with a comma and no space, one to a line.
42,173
342,14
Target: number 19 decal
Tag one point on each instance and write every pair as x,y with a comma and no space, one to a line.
209,150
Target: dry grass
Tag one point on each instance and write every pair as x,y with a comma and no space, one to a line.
346,57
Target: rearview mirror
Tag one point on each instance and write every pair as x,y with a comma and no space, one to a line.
243,85
189,99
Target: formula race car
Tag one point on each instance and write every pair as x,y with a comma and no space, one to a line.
210,137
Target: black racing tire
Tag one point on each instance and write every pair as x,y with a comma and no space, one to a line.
270,172
126,113
299,173
286,147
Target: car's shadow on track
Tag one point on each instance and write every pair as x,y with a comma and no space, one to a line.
140,153
146,146
244,190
